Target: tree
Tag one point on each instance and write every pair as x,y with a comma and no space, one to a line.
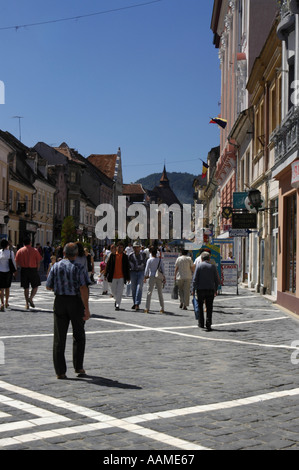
68,231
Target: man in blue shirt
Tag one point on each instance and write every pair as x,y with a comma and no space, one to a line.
69,281
205,283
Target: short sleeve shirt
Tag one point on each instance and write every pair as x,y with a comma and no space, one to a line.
66,277
28,257
184,265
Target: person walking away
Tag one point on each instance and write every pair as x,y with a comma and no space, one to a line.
90,264
205,283
137,261
28,258
48,252
39,248
81,258
118,273
102,278
153,265
5,274
183,273
69,281
112,249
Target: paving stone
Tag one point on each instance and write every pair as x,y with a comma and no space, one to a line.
139,364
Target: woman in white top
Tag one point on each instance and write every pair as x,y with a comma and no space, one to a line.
5,274
154,264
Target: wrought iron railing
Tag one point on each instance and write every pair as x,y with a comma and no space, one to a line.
286,138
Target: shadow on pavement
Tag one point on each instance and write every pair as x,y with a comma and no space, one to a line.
103,382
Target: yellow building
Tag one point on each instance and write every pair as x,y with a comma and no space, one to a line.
5,150
264,86
30,199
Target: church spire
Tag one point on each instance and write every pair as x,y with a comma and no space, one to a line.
164,181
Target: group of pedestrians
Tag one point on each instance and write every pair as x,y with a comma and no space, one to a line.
135,266
28,259
138,266
70,279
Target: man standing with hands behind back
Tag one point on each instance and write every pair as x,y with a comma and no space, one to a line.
69,281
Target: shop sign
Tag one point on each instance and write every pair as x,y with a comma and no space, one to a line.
31,227
245,221
227,212
295,174
239,232
239,200
229,275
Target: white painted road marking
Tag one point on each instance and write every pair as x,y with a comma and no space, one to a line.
129,424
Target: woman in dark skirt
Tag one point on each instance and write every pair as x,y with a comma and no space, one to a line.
5,274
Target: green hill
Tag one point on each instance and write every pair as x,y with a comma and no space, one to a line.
180,183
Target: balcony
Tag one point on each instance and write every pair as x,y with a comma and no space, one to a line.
286,137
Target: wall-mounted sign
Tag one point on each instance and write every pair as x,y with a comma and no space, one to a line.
21,206
239,200
239,232
246,220
227,212
295,174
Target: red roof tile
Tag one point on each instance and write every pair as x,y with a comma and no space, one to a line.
105,163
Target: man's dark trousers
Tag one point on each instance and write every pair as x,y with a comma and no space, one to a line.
207,296
68,308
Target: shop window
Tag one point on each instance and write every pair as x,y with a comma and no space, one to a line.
291,241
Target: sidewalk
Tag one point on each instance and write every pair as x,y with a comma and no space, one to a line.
154,381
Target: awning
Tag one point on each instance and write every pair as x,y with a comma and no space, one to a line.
223,236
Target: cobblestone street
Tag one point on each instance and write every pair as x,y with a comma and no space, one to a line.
154,381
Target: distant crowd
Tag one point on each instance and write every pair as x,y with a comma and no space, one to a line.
70,271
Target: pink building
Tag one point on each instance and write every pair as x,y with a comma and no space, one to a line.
240,29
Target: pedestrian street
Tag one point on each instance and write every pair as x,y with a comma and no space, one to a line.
154,381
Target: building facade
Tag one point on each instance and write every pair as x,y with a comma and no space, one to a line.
264,86
240,29
285,140
5,150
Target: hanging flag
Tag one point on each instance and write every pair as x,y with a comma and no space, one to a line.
205,167
221,122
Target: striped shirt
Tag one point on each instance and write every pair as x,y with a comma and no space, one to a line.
66,277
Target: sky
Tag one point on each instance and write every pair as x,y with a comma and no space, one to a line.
143,78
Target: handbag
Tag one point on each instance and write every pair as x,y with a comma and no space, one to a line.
175,292
159,274
195,306
12,268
